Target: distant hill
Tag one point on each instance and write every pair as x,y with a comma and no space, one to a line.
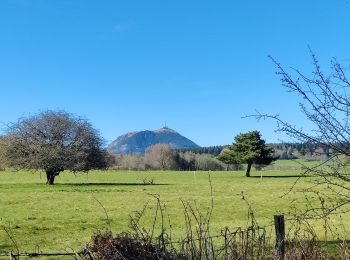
138,142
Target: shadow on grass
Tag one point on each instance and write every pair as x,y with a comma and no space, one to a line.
110,184
280,176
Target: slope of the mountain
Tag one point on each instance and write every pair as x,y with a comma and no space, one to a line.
138,142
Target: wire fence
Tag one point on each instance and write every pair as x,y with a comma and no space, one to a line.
228,244
252,242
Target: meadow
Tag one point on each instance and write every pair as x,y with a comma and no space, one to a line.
63,217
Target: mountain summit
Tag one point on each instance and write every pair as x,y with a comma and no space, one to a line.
138,142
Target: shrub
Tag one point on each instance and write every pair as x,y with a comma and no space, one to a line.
125,246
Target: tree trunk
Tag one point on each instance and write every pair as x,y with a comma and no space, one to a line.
247,173
50,176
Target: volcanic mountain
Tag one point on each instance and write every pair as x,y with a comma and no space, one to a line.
138,142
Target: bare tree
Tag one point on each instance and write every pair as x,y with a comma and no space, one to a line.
53,141
326,104
160,156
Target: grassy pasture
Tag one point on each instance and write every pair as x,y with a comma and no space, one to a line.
64,216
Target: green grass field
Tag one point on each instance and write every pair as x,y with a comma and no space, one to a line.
296,163
65,216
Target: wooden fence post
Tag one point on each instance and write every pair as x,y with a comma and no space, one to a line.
280,236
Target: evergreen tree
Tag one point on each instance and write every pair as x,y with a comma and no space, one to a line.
248,148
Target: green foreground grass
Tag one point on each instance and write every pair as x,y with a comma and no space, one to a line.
66,215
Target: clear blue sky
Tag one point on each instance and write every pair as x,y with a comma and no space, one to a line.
132,65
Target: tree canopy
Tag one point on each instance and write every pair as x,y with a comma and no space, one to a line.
248,148
53,141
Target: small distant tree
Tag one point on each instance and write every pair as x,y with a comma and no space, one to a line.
53,141
248,148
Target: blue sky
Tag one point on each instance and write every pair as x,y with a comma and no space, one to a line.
132,65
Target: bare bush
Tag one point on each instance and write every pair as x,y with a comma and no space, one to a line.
124,246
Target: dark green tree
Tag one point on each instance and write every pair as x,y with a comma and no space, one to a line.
53,141
248,148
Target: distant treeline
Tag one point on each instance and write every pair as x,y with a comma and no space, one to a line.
212,150
283,151
161,157
306,151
